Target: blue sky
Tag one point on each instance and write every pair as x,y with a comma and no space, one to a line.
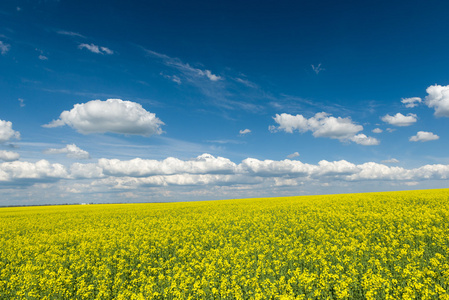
137,101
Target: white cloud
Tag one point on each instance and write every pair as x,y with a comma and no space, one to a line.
9,155
206,174
22,102
424,136
411,102
293,155
173,78
245,131
203,164
113,115
399,119
364,140
43,57
374,171
209,75
92,48
295,168
438,98
317,69
128,183
323,125
184,68
4,48
377,130
269,168
71,151
70,33
285,182
38,171
106,50
83,171
6,132
390,161
96,49
247,83
225,141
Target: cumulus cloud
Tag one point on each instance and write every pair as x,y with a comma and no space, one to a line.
438,99
244,131
411,102
364,140
112,115
323,125
9,155
399,119
293,155
4,48
6,132
424,136
377,130
32,172
96,49
71,151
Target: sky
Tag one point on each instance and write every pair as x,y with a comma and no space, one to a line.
154,101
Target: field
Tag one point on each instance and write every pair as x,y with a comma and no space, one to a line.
392,245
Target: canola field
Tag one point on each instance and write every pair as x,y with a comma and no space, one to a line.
392,245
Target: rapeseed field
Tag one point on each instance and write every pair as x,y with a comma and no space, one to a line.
392,245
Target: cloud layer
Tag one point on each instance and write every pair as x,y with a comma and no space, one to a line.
209,170
112,115
323,125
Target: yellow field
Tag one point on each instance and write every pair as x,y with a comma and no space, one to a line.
356,246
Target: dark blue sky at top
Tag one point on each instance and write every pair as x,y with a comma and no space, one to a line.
370,45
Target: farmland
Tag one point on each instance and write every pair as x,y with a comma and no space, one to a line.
391,245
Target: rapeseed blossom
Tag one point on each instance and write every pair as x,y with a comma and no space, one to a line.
391,245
